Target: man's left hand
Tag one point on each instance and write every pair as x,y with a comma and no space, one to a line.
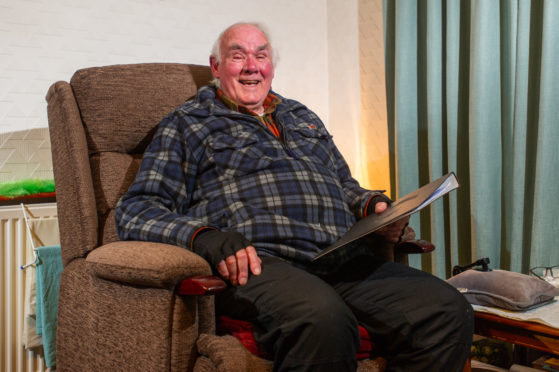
393,232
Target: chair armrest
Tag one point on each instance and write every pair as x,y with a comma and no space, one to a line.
201,285
414,246
146,263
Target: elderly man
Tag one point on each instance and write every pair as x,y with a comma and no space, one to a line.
253,182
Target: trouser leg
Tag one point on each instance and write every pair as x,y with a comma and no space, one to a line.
302,321
417,320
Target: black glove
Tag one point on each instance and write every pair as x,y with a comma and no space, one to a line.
377,199
216,246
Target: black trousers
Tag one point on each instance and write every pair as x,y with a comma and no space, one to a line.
310,323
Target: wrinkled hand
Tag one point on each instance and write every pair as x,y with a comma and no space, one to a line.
236,267
393,232
230,252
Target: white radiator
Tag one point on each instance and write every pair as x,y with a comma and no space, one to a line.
14,252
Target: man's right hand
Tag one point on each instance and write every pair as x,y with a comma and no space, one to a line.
230,252
236,267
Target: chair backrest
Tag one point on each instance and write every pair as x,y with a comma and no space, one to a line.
100,124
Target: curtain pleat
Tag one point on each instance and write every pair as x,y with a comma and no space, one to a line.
485,160
472,87
544,249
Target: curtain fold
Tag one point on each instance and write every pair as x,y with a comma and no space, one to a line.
472,87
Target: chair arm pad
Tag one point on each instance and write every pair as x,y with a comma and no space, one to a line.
414,246
145,263
201,285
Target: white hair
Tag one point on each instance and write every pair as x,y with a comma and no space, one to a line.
216,48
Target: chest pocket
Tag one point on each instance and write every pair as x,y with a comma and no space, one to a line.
237,156
313,144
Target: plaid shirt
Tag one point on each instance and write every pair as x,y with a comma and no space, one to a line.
210,166
270,103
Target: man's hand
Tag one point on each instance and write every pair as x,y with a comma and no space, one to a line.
393,232
230,252
236,267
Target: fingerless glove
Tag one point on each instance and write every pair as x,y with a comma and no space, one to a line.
216,245
377,199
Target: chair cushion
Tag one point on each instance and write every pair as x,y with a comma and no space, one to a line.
242,331
121,105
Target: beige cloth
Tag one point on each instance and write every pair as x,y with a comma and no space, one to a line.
45,233
546,314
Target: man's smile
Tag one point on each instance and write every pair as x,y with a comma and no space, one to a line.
249,82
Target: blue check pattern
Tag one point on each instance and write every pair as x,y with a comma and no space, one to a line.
209,166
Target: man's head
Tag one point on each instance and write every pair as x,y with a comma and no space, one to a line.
243,61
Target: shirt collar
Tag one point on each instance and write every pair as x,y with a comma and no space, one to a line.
270,103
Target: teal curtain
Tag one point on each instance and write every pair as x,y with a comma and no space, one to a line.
473,87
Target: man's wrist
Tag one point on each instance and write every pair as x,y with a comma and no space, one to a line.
198,232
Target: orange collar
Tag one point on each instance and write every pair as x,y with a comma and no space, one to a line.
269,104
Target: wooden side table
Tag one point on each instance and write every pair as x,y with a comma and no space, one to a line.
528,334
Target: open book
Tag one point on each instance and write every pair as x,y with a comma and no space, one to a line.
402,207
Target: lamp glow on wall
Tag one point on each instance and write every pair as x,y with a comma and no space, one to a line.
373,165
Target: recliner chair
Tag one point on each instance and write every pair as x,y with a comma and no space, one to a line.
127,305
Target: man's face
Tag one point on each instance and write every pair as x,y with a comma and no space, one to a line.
246,69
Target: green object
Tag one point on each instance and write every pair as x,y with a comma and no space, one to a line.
14,189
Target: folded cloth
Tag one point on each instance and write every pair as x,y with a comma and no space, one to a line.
44,232
49,269
30,338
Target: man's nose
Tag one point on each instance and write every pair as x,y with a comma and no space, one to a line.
250,64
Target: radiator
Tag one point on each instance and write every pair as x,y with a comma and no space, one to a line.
14,253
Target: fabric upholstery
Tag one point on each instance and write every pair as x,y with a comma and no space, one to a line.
118,309
229,355
204,364
75,200
145,263
145,92
121,327
112,173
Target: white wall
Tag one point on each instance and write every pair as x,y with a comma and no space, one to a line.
344,79
42,41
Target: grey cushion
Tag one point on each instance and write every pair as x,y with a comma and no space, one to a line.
504,289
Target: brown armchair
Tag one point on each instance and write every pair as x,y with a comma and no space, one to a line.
127,305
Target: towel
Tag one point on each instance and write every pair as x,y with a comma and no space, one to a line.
44,232
31,339
49,269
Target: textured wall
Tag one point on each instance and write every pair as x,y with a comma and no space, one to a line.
42,41
25,154
331,59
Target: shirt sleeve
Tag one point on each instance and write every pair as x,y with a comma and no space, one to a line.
155,206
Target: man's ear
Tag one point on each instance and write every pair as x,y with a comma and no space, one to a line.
214,64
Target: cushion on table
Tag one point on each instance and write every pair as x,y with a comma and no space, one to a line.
504,289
